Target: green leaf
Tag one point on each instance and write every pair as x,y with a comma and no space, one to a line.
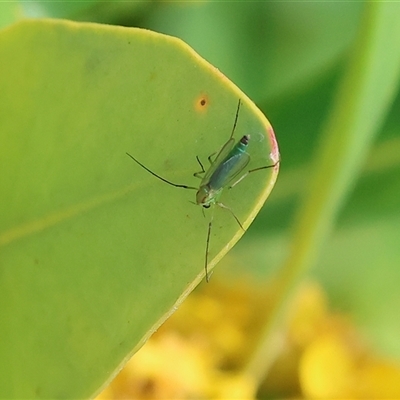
10,11
88,10
96,252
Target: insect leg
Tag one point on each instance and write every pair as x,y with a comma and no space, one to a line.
252,170
208,276
210,157
207,247
198,174
232,213
226,145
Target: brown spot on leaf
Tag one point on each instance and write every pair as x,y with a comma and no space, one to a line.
201,103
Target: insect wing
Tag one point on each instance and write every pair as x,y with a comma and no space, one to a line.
228,146
228,170
237,164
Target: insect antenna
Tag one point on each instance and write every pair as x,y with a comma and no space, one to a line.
160,177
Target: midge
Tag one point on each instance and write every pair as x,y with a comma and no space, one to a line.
223,172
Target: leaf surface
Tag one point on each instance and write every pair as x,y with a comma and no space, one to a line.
96,252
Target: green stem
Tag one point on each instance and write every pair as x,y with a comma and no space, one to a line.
362,102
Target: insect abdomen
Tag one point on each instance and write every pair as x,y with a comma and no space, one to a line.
244,141
240,147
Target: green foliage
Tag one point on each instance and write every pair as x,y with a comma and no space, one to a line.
340,154
9,12
96,252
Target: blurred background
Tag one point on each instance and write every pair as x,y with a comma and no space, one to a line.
338,334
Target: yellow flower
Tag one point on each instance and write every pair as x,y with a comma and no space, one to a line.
202,350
